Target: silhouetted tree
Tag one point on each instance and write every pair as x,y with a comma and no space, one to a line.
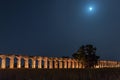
86,55
80,55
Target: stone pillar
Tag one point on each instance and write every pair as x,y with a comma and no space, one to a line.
79,65
65,63
50,63
76,64
26,62
3,62
69,63
11,62
55,63
60,63
18,62
33,63
45,62
39,62
73,65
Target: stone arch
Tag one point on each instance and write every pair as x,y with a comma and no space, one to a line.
50,63
34,62
55,63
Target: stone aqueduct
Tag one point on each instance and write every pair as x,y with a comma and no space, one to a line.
47,62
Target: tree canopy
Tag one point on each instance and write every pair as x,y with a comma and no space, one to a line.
86,55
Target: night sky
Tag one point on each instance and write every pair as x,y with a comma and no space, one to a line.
59,27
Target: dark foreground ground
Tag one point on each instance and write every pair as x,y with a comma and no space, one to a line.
60,74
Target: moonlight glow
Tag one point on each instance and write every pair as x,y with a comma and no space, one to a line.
90,8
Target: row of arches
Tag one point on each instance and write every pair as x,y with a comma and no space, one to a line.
107,64
18,61
13,61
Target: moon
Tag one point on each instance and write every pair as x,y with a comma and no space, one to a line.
90,8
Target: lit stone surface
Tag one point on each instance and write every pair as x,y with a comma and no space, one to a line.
76,65
26,62
55,63
45,62
60,62
50,62
39,62
73,64
69,63
3,62
33,62
19,62
65,63
11,62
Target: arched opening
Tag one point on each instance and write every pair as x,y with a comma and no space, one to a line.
30,63
67,64
58,64
42,62
48,64
36,63
7,62
53,63
15,62
22,63
63,64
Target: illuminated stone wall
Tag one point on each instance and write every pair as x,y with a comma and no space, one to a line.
20,61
